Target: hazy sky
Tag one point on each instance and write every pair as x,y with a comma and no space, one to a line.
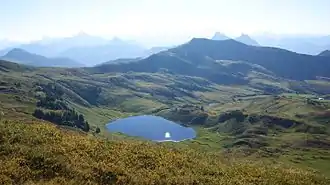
169,20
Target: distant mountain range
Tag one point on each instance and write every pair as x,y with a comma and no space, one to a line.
53,47
87,49
311,45
92,50
23,57
112,50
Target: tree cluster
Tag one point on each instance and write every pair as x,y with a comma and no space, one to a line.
52,108
51,103
236,114
67,117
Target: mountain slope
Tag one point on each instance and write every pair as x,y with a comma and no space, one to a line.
246,39
4,51
6,66
200,57
222,72
325,53
24,57
282,62
155,50
120,60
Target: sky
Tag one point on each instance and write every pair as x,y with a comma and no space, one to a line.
160,20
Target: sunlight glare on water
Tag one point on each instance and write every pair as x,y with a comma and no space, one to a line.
167,135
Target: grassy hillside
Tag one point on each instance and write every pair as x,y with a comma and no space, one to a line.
36,153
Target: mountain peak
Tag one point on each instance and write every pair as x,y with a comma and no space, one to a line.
244,36
219,36
16,51
246,39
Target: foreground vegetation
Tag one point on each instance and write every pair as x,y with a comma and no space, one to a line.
40,153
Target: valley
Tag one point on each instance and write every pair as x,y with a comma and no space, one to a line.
246,103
